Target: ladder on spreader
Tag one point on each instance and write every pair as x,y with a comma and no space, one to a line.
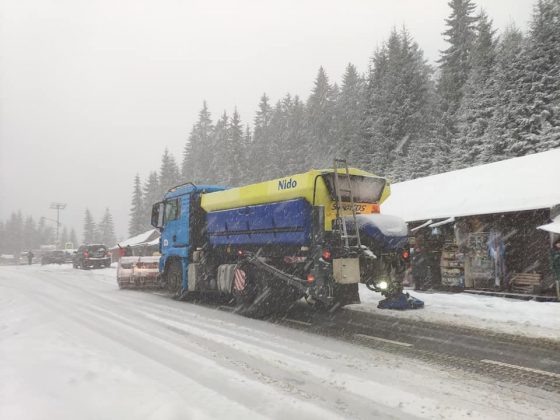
350,240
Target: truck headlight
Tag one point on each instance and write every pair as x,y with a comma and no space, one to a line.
382,285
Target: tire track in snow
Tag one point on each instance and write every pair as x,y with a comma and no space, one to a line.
364,384
231,350
233,384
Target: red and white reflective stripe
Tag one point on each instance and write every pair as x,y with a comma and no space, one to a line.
239,280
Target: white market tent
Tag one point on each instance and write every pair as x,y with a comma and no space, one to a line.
154,241
149,237
525,183
553,227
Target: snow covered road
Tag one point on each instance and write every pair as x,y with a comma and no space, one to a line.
74,346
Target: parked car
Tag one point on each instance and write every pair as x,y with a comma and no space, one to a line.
53,257
69,255
8,259
94,255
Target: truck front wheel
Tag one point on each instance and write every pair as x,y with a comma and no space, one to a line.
174,278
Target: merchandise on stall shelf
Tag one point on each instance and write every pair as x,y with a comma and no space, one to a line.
452,266
479,268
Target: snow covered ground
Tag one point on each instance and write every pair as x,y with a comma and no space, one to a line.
528,318
73,346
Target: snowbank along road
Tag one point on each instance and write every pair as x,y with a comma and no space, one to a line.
73,346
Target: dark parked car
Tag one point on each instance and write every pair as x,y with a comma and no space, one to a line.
92,256
69,255
53,257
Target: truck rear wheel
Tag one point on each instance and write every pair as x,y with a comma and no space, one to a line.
174,278
242,288
251,293
257,295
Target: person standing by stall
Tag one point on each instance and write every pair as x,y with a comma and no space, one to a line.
555,263
419,266
496,250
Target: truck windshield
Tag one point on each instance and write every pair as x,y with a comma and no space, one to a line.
365,189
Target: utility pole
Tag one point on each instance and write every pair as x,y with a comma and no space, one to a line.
57,207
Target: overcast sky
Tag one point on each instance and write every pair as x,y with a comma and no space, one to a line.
91,92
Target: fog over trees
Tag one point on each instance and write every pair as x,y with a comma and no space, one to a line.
102,232
21,233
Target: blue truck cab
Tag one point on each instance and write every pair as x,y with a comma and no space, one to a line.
173,217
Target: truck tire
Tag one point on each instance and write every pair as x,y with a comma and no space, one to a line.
255,298
174,278
243,287
345,294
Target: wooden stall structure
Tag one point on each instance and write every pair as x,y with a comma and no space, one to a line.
485,224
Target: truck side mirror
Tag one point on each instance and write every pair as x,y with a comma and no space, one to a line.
157,215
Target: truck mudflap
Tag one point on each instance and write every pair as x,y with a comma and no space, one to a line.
346,294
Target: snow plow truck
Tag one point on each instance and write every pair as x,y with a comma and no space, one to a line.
314,235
